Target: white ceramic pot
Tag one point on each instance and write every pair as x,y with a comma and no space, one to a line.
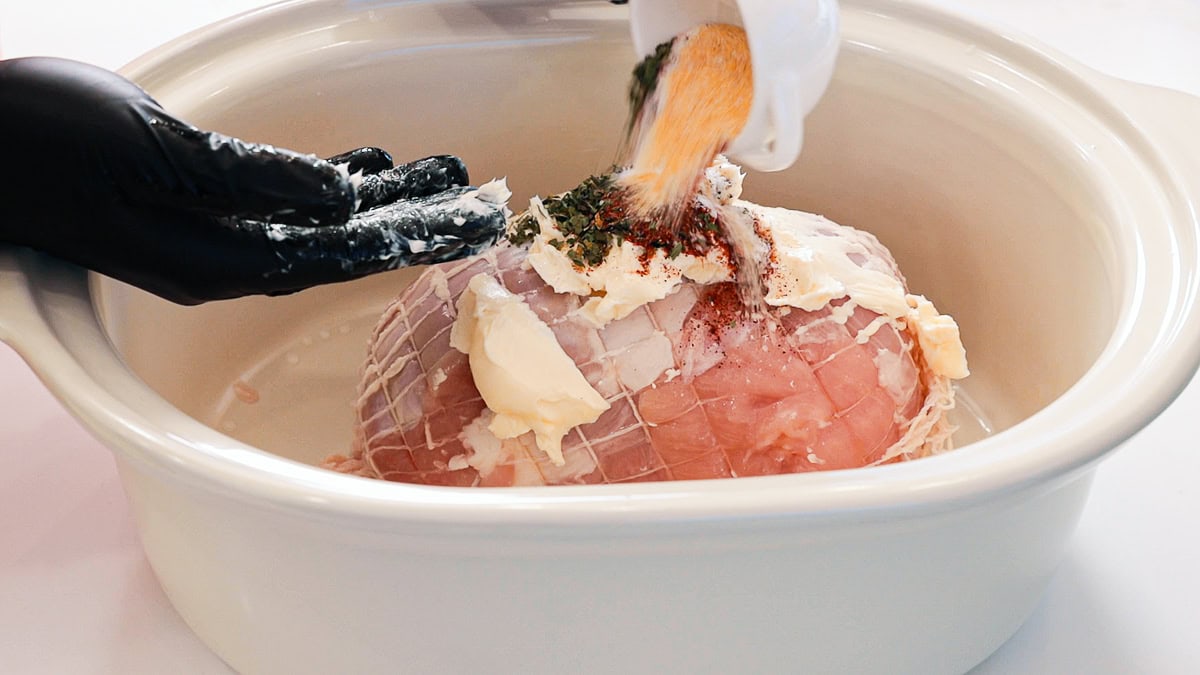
1051,210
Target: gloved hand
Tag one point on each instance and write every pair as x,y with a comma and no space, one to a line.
94,171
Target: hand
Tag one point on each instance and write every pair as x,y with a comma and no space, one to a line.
94,171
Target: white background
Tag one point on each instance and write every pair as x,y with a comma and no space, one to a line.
77,596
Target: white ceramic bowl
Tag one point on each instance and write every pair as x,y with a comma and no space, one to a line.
1051,210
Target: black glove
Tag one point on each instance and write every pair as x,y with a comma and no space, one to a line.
93,171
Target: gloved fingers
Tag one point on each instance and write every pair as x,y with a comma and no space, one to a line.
415,179
219,175
364,160
452,224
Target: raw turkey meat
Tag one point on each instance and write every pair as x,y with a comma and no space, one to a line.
696,389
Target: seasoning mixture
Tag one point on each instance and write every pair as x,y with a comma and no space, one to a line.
688,101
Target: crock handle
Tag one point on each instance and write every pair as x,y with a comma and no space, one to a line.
14,304
23,273
1171,119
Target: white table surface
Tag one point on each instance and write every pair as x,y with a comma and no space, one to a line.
77,596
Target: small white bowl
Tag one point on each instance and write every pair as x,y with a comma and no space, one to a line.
1050,209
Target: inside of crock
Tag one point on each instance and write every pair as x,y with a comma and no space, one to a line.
988,213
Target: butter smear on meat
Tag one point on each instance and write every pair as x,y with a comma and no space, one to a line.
523,375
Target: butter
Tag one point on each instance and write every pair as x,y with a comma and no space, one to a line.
811,268
938,337
522,373
483,199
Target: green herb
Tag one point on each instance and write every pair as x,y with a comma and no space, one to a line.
589,218
524,229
